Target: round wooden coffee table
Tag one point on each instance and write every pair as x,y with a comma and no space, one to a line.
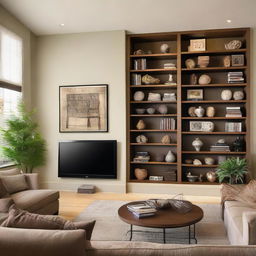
166,218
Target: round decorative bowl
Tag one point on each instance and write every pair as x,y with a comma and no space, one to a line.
140,110
192,178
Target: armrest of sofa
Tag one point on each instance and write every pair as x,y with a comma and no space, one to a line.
5,204
31,242
249,227
32,180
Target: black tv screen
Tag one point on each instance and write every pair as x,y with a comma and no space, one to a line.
88,159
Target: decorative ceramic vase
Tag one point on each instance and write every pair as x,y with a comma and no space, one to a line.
166,139
190,63
226,95
197,162
211,176
193,79
170,157
227,61
164,48
203,61
141,174
191,111
141,139
197,144
238,95
141,125
209,160
151,111
210,111
139,96
162,109
204,79
238,145
199,111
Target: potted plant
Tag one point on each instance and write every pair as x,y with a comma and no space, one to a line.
232,170
23,144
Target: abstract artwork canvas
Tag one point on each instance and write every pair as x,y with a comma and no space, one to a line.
83,108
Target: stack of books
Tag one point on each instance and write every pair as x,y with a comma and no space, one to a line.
141,210
136,79
141,157
233,126
233,112
235,77
169,65
167,124
220,147
140,64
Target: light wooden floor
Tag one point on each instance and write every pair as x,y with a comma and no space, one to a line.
72,203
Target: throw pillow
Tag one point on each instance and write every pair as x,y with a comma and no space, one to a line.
18,218
14,183
248,194
229,192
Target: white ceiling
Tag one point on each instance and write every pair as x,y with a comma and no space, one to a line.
136,16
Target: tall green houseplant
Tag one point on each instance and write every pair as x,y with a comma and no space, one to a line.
233,170
23,144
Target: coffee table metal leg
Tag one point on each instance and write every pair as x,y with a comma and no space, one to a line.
189,234
164,235
195,233
131,233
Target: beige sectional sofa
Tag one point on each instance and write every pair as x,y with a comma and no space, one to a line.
33,242
240,223
32,199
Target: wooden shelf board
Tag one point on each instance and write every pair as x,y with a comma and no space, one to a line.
215,85
153,181
213,153
153,144
212,118
153,86
213,101
148,102
154,70
200,166
201,183
214,133
156,130
156,163
215,52
213,68
153,115
157,55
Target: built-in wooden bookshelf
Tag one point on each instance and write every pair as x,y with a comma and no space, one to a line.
182,136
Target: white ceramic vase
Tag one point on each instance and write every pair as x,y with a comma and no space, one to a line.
197,144
170,157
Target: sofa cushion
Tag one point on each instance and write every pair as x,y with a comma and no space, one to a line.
13,171
3,217
248,194
18,218
5,204
32,200
3,191
33,242
14,183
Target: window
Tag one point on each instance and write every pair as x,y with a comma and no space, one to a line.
11,55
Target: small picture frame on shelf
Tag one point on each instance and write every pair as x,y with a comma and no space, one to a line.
195,94
237,60
197,45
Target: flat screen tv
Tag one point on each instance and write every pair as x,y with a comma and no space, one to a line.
88,159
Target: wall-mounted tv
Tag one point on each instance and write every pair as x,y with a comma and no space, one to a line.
88,159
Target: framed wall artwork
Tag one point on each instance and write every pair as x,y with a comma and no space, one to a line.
197,45
83,108
237,60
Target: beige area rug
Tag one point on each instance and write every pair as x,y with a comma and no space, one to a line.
210,230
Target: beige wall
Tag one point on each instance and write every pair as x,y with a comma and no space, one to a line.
77,59
12,24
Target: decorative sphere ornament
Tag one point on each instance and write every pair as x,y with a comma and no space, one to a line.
226,95
164,48
162,109
204,79
141,174
139,96
238,95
